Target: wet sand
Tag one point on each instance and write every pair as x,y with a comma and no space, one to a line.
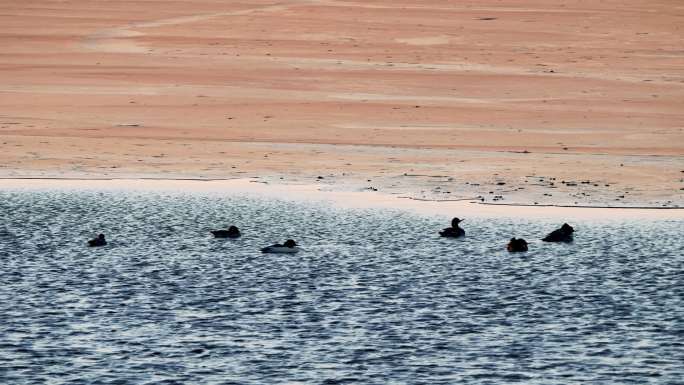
347,199
564,103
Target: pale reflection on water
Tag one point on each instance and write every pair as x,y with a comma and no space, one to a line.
375,297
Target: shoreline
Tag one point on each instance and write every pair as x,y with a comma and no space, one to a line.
364,199
428,174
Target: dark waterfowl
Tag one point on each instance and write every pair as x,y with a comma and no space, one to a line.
232,232
96,242
454,231
564,234
289,247
517,245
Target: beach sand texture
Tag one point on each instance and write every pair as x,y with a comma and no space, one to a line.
562,102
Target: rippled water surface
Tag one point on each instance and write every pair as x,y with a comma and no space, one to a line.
375,297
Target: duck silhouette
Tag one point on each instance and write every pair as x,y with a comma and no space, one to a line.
232,232
454,231
564,234
517,245
289,247
96,242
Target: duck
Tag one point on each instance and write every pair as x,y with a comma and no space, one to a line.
564,234
454,231
517,245
289,247
96,242
232,232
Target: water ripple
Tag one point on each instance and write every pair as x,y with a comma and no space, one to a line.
375,297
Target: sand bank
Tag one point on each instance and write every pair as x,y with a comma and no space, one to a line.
570,103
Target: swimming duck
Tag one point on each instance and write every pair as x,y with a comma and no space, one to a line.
517,245
564,234
289,247
454,231
96,242
232,232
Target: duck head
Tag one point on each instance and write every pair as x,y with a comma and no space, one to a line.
455,222
567,229
290,243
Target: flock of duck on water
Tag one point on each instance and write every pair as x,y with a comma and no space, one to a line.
515,245
563,234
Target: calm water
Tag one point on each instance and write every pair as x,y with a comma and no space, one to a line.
376,297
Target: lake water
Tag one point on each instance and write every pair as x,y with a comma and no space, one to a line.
375,297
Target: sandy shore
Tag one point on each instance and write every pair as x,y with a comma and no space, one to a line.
566,103
309,194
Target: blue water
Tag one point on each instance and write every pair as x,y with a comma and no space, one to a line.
376,297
